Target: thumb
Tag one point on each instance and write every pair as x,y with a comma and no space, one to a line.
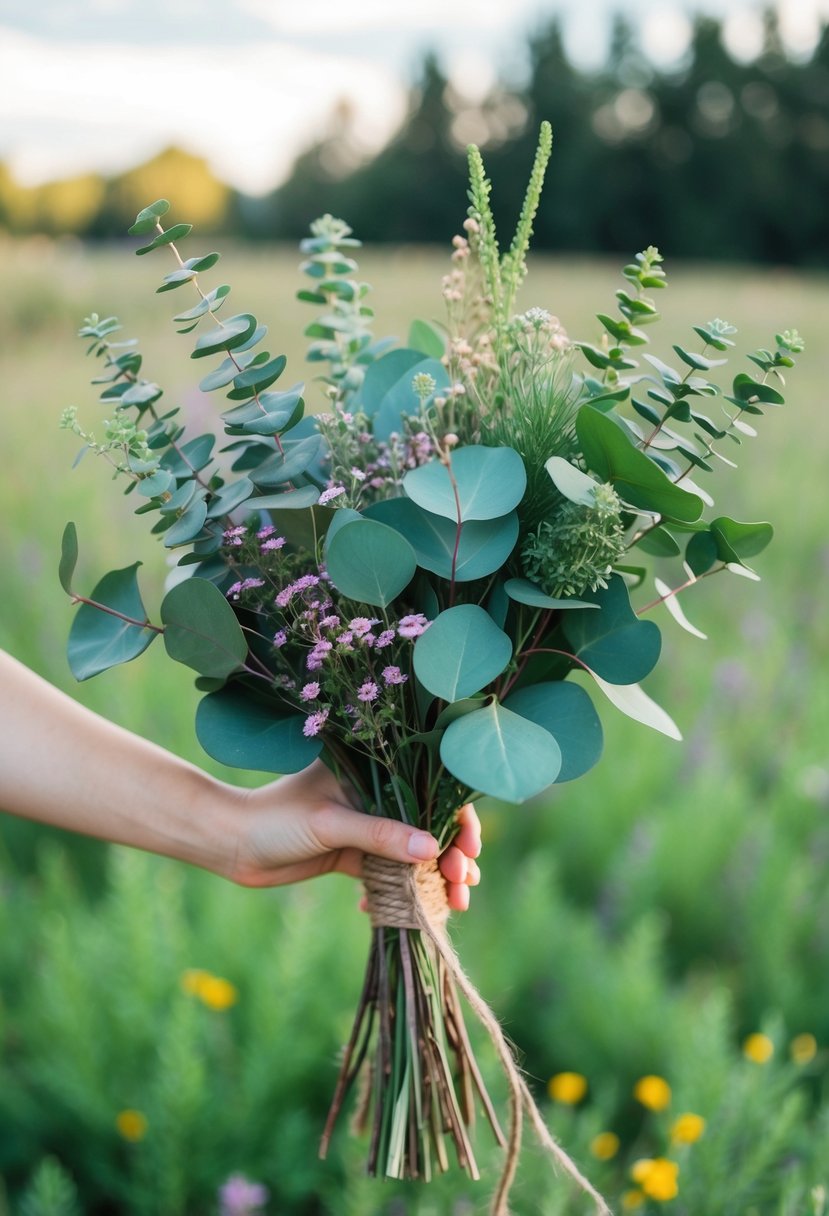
338,827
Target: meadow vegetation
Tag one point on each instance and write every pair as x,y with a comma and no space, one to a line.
157,1024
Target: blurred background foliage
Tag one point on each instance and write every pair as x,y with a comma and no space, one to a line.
712,157
644,920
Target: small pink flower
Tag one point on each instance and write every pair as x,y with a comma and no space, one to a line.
314,723
361,625
275,542
330,494
412,626
384,639
368,691
329,622
393,675
310,691
265,532
280,637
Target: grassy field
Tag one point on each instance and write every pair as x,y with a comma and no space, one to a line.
641,921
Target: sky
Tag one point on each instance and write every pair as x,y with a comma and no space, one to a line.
103,84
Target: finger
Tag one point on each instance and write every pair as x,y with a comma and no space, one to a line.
453,865
473,873
457,896
468,839
336,827
362,903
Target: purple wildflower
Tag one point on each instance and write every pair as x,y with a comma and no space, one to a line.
368,691
384,639
241,1197
275,542
368,639
393,675
310,691
280,637
329,622
234,536
265,532
247,584
314,723
362,624
233,592
330,494
358,474
412,626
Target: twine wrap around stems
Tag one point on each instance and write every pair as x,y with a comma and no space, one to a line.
405,896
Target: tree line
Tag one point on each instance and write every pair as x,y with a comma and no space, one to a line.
712,158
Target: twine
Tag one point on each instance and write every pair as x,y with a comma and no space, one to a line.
405,896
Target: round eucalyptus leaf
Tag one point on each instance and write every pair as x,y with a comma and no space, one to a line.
370,562
498,752
146,219
735,541
99,640
297,456
461,652
234,332
188,526
425,338
257,378
238,730
484,544
190,458
567,712
524,592
201,629
286,500
340,517
613,642
229,497
490,482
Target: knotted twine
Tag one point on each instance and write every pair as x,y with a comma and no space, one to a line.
405,896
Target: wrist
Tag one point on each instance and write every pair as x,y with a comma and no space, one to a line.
213,819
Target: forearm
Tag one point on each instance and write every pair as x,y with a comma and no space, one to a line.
63,765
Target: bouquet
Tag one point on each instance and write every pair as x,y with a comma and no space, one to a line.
492,490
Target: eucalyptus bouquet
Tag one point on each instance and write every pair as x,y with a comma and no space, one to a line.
402,583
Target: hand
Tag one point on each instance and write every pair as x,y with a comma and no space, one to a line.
302,826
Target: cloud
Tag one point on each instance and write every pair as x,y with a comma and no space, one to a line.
67,107
325,17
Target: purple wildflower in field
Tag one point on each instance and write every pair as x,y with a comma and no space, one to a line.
384,639
330,622
310,691
241,1197
274,542
330,494
265,532
358,474
280,638
368,691
314,723
393,675
412,626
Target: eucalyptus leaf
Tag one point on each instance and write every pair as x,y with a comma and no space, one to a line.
68,557
484,483
484,544
524,592
202,630
236,729
500,753
146,219
370,562
425,338
673,607
188,526
461,652
633,701
284,466
235,331
613,642
567,712
571,482
98,639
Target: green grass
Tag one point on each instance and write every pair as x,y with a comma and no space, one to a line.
641,920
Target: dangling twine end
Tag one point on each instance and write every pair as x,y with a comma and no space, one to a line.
414,897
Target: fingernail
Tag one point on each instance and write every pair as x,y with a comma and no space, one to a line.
422,846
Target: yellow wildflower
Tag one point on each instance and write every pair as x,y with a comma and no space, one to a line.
803,1048
567,1087
131,1124
657,1176
758,1048
212,991
217,994
687,1129
632,1199
604,1146
653,1092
